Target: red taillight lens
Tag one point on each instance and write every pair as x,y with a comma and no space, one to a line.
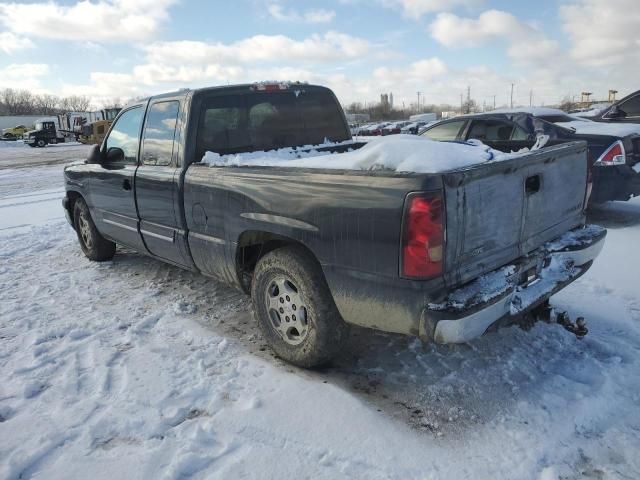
614,155
423,240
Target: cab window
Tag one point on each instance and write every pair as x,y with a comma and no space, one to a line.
445,132
159,133
125,134
496,131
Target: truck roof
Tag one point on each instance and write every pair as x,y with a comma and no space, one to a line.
241,87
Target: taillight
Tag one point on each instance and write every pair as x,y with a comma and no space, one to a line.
614,155
423,238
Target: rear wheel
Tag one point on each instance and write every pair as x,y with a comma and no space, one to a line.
295,309
9,136
94,245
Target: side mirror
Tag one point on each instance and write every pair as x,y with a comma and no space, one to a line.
95,155
114,155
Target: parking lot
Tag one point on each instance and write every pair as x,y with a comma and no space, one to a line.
165,370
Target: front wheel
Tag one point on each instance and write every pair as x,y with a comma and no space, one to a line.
295,309
41,143
94,245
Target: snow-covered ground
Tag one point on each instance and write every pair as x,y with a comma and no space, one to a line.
19,155
137,369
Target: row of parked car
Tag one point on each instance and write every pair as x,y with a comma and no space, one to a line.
612,134
613,148
388,128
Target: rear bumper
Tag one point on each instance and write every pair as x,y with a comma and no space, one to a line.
514,289
615,182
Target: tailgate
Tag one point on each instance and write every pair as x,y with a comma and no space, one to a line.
500,211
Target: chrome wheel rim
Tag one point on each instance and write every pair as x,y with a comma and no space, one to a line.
287,311
85,231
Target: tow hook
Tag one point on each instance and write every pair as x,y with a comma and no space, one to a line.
550,315
579,329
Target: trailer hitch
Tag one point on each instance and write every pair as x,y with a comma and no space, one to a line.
548,314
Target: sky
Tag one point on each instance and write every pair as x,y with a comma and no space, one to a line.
119,49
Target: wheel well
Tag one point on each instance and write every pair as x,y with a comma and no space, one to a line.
252,246
73,197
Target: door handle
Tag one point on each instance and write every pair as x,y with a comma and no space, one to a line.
126,184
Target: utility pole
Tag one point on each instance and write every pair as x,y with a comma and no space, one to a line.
494,102
469,99
461,104
531,98
512,95
418,110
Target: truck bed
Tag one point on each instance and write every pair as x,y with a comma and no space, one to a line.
351,222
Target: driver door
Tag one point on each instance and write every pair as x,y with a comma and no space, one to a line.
111,189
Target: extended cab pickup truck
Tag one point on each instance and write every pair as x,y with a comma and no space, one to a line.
441,255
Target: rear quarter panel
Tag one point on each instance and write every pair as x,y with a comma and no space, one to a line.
350,221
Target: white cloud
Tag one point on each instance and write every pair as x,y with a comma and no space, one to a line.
331,46
24,76
603,32
11,43
422,71
102,21
310,16
170,65
418,8
524,43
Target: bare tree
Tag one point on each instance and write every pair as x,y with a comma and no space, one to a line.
113,103
46,104
9,100
567,104
75,103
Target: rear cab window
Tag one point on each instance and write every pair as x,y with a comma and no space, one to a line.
261,121
495,131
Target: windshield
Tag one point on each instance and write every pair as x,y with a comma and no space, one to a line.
268,121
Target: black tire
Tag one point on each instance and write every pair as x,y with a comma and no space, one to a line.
322,331
41,143
94,245
9,136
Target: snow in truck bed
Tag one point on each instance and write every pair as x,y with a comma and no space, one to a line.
402,153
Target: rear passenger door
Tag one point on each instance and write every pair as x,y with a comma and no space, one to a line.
157,183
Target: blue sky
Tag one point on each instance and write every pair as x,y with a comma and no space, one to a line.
119,48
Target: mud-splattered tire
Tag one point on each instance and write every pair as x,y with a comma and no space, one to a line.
295,309
94,245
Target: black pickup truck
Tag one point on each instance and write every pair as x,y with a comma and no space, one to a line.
442,255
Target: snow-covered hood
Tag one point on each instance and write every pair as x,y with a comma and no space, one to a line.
602,128
402,153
